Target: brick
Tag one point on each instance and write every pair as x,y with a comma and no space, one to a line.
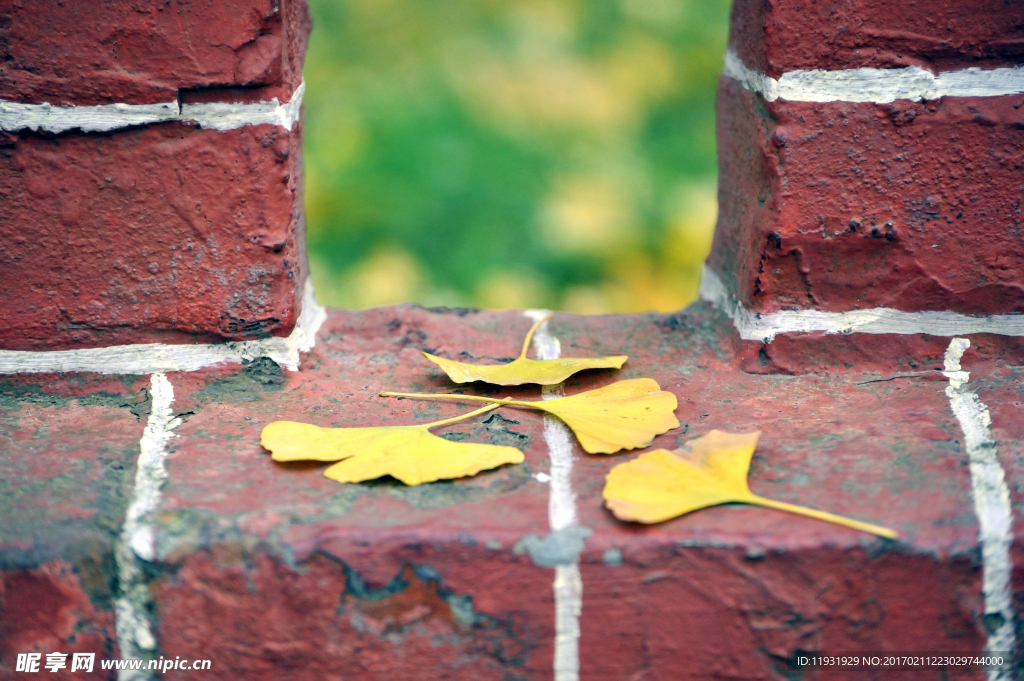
165,233
885,353
294,571
45,610
311,622
776,37
67,449
72,53
68,446
842,206
697,613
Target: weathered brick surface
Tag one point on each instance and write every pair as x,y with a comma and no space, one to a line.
271,568
318,619
166,233
75,53
264,567
174,234
775,37
46,610
67,454
699,613
889,353
841,206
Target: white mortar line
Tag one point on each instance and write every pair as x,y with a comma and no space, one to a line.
106,117
150,358
991,502
764,327
568,586
568,590
226,116
879,86
134,631
100,118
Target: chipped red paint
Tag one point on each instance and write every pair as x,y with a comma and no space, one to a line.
776,37
842,206
258,618
45,610
697,613
159,234
70,53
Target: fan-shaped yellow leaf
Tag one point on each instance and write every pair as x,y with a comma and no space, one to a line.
523,370
707,471
409,453
623,415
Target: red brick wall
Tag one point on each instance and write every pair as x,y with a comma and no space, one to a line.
873,197
172,231
141,508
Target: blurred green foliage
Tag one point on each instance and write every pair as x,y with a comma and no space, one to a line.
512,153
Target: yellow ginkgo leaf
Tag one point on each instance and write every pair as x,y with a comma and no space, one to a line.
623,415
707,471
523,370
409,453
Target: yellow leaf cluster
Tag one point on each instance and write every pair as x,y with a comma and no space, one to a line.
624,415
652,488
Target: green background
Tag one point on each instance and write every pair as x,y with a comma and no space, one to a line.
549,153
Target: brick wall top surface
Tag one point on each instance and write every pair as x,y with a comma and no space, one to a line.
775,37
79,53
65,487
689,354
353,567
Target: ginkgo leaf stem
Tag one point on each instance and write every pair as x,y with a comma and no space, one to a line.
471,398
529,335
459,418
822,515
